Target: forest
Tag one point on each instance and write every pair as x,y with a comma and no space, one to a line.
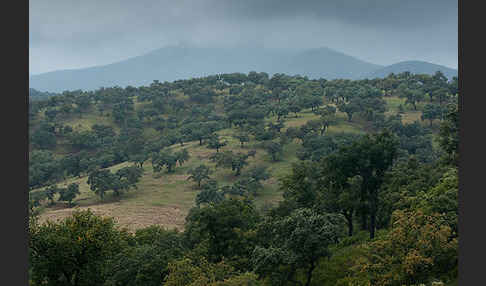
271,180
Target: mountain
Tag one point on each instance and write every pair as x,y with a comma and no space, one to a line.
178,62
39,95
416,67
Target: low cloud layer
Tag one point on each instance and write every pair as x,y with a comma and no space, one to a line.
68,34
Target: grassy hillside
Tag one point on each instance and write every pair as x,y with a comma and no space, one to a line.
165,199
361,186
159,110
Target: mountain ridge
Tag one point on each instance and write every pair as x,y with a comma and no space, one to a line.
181,62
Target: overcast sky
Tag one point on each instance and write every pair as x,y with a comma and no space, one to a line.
66,34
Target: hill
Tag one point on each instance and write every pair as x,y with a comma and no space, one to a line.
178,62
417,67
248,169
78,132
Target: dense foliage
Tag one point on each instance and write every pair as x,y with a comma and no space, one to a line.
374,207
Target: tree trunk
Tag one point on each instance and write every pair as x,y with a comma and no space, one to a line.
309,273
364,222
372,224
349,218
373,211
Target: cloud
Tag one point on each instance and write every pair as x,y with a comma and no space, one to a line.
72,34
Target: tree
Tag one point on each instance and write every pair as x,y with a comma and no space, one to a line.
74,251
349,109
210,193
43,138
139,158
199,174
342,199
199,272
164,158
430,112
104,133
228,159
242,137
225,230
83,102
51,113
214,142
418,248
274,149
413,96
50,192
295,106
300,186
449,136
293,243
100,181
276,127
182,156
85,139
258,173
146,261
369,157
68,194
128,177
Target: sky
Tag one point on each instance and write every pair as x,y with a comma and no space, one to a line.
69,34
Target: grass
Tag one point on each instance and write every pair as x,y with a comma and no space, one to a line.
410,115
89,119
165,199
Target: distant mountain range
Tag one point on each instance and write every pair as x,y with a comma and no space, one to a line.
173,63
416,67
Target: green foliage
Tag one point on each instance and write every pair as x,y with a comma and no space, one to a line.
242,137
146,262
360,180
44,137
294,243
75,251
228,159
274,149
69,194
418,249
164,158
187,272
43,168
442,199
101,181
226,229
449,136
210,194
199,174
431,112
215,143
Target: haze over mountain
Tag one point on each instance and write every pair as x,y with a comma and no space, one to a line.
416,67
182,62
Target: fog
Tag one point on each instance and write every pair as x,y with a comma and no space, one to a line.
66,34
